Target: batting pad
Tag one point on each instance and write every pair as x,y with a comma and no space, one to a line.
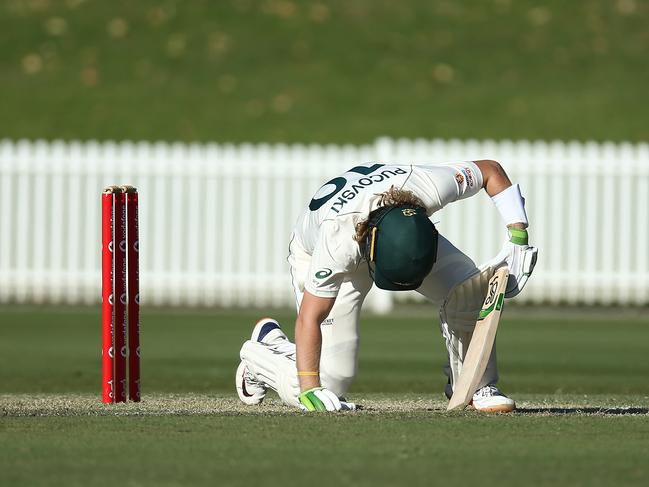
458,316
275,366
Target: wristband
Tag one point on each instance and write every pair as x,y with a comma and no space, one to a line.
511,205
518,236
313,374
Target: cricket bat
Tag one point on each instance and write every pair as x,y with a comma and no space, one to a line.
482,341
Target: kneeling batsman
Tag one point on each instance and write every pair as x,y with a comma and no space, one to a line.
371,226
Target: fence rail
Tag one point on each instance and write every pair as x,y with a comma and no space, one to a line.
215,219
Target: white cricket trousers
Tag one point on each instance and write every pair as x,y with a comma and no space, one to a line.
453,276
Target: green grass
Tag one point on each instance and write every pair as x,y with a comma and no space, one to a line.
579,378
197,351
414,449
327,71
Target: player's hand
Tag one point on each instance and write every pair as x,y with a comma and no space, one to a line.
321,399
520,258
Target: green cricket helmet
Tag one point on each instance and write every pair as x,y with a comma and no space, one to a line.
400,247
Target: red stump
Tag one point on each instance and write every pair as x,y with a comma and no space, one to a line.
119,294
133,259
107,351
119,286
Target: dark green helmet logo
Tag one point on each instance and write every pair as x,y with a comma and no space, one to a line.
322,273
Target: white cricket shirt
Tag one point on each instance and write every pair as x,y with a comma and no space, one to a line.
326,228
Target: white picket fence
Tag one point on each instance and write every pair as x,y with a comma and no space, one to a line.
215,219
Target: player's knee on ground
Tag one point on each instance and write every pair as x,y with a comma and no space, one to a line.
276,369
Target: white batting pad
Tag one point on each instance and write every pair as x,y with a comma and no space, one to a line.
275,366
458,316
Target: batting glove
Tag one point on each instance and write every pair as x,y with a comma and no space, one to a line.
520,258
321,399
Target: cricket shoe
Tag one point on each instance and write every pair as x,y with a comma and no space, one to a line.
489,399
268,331
251,391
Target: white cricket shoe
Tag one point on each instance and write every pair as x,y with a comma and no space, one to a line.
489,399
250,390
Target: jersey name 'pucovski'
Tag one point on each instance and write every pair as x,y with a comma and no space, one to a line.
325,229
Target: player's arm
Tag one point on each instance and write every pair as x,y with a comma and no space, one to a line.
308,338
495,181
494,177
517,254
308,342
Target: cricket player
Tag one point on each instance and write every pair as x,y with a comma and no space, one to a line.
372,226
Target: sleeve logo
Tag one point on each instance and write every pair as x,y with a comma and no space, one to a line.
465,174
322,273
469,177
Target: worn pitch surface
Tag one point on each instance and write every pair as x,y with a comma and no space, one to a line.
78,405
